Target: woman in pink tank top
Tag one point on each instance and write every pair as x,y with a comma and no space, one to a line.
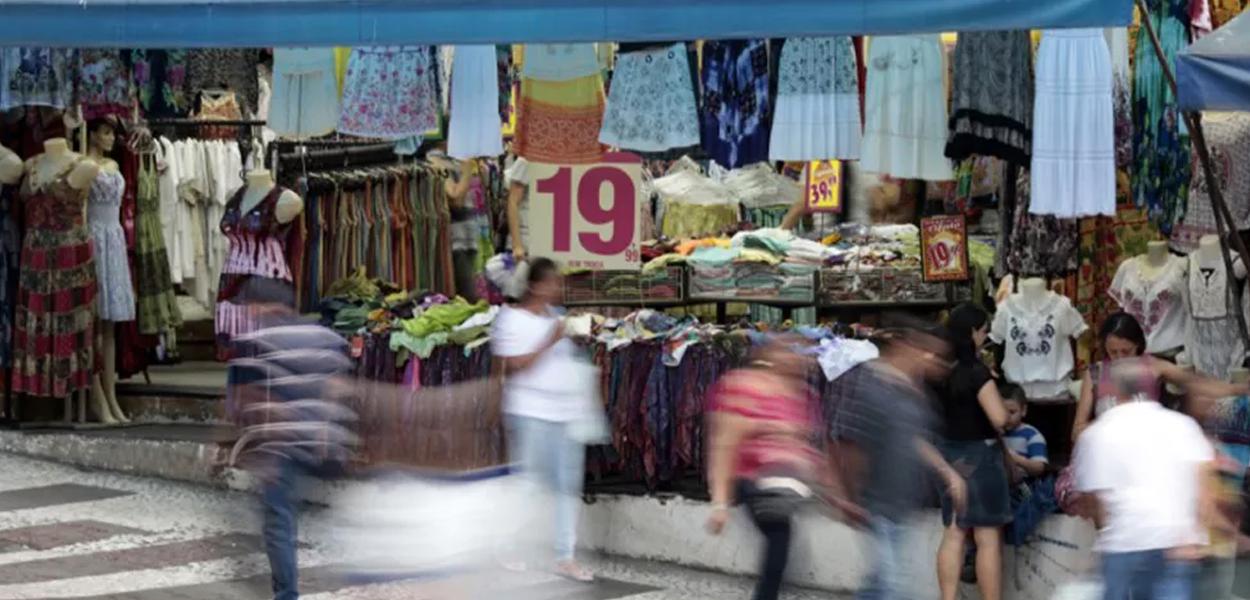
763,423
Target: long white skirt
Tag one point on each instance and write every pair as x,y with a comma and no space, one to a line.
817,116
905,119
475,127
1073,171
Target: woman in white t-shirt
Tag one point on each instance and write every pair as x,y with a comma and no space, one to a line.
541,401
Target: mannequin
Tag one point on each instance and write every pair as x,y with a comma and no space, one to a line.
100,141
259,184
1151,288
10,166
1209,256
1036,327
1033,292
1212,338
54,230
1155,258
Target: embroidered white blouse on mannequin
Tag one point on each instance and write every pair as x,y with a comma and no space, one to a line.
1035,333
1152,288
1212,338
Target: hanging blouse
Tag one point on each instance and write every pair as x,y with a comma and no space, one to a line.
160,78
36,77
305,99
1156,298
232,69
1035,337
105,86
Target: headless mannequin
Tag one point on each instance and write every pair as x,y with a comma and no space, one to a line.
259,184
1033,292
10,167
47,167
1154,260
1210,257
104,384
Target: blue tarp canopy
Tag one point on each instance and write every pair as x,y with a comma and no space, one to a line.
1214,73
264,23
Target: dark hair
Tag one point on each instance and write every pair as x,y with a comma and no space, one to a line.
907,330
110,121
963,321
539,270
1123,326
1014,393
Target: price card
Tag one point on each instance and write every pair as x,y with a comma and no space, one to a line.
944,245
824,186
587,216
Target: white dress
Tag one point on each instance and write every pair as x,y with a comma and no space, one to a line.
651,105
1073,172
1156,298
104,204
305,100
905,120
1212,337
817,115
475,128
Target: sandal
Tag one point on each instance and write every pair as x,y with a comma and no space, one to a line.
571,570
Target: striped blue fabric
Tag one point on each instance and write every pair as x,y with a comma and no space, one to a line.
1028,442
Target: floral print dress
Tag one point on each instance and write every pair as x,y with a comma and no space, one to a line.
36,77
1161,171
389,93
161,82
105,86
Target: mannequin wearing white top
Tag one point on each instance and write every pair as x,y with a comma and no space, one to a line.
1212,334
10,166
1209,255
1033,291
259,184
1156,258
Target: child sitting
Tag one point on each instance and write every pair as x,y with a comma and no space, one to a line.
1026,444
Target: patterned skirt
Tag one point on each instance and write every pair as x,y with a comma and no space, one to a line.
651,106
54,328
559,121
992,105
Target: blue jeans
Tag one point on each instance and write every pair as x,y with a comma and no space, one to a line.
1146,575
278,505
887,579
554,462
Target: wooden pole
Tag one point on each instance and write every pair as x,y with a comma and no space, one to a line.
1224,223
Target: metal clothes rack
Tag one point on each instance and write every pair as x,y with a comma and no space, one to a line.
244,134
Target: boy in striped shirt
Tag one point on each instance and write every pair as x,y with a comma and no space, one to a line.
1026,444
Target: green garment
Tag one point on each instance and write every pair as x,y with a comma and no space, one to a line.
442,317
423,347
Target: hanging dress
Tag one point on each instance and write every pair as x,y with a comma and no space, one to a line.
389,93
104,84
1228,138
229,69
992,96
1161,171
116,301
560,112
1073,173
651,103
736,110
817,114
257,250
905,122
54,329
305,99
155,305
161,82
36,77
475,129
10,255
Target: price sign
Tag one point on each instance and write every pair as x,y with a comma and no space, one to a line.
944,244
587,216
824,186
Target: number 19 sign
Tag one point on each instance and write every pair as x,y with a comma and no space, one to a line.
586,216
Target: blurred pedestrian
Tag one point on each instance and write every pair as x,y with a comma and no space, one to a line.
884,443
974,419
1142,465
543,399
762,426
286,388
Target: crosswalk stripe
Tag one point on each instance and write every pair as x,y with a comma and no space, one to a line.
56,535
54,495
156,556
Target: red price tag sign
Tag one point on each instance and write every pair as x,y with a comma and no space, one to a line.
824,186
944,243
587,216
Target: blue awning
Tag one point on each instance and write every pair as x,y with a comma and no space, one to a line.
264,23
1214,73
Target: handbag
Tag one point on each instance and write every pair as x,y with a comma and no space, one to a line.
590,425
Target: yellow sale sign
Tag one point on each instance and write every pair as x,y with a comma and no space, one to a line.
824,186
587,216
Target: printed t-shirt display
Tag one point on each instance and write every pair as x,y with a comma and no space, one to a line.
651,104
992,96
1036,336
1212,336
560,112
1228,137
389,93
1143,460
1156,298
54,332
541,391
116,300
475,125
305,98
1073,172
905,119
817,116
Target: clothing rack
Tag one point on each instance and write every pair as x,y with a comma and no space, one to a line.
244,135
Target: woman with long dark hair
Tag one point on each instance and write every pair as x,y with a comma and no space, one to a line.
974,417
1121,337
542,403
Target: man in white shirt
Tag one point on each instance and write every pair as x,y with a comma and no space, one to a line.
1145,465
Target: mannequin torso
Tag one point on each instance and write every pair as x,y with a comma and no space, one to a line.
259,185
46,167
1033,293
10,166
1154,260
1210,257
